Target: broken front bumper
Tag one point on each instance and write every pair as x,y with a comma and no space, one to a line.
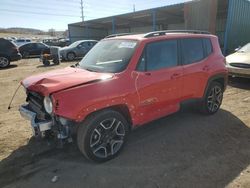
38,128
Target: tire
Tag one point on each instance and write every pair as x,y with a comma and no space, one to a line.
56,61
213,98
102,135
71,56
4,62
46,62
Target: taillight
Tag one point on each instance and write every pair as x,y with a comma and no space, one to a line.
15,48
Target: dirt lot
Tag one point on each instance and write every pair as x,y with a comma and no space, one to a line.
186,149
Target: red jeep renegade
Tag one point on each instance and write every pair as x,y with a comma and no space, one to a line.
124,82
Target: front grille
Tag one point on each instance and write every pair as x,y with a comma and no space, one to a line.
35,102
241,65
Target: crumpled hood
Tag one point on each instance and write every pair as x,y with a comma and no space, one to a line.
61,79
239,57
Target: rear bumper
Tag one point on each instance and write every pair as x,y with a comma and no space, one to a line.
239,72
16,57
37,127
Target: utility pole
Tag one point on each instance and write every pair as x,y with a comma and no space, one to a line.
134,7
82,11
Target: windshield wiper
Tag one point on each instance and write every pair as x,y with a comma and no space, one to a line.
91,70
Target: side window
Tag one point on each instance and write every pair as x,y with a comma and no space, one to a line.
92,44
29,46
32,46
141,66
192,50
6,44
208,46
40,46
159,55
83,45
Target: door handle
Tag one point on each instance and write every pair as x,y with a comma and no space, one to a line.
147,73
175,75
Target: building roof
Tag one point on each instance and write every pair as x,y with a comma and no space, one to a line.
166,14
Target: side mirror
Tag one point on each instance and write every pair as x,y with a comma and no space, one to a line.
79,46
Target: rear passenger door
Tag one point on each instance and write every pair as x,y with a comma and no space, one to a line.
39,48
31,48
159,80
195,61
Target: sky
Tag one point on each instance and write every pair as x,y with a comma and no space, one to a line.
57,14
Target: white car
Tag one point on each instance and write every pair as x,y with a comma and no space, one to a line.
20,42
238,63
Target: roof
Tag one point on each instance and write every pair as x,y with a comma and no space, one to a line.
171,13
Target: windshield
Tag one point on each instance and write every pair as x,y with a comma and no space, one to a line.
109,56
245,48
75,44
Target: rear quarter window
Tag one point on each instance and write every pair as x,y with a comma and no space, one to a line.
207,46
6,44
192,50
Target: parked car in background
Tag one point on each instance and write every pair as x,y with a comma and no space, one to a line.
77,49
57,42
51,55
20,42
125,82
33,49
8,52
238,63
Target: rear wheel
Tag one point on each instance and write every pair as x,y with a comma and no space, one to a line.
4,62
213,99
56,61
102,136
71,56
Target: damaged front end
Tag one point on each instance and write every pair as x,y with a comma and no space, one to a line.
39,110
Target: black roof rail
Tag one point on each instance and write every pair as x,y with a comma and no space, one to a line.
117,35
160,33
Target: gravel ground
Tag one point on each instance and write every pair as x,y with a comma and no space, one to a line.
186,149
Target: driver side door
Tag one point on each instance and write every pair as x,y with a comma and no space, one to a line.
158,80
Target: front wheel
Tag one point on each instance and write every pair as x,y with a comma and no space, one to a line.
56,61
71,56
102,136
213,99
4,62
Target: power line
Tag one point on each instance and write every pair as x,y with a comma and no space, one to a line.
52,3
38,13
34,7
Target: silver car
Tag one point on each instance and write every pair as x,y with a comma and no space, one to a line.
238,63
76,49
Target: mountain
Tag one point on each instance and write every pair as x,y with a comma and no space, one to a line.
21,30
